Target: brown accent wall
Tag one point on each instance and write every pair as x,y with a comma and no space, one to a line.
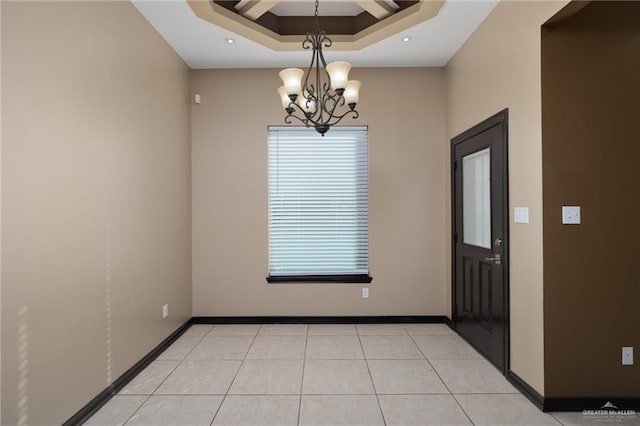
96,215
591,148
408,169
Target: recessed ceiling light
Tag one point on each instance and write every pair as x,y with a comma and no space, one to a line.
230,40
406,39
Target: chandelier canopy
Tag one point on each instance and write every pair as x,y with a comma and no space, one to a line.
324,95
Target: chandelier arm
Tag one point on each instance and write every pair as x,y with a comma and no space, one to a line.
308,117
287,119
309,88
340,117
325,104
327,124
311,118
328,97
336,118
336,102
326,86
308,41
323,41
304,117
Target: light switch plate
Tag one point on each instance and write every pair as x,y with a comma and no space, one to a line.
571,215
521,214
627,355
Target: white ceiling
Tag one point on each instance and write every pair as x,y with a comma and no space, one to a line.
202,44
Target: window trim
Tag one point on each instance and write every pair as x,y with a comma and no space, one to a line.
335,279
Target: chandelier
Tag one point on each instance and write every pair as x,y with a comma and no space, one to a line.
324,95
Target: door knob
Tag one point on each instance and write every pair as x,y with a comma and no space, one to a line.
496,259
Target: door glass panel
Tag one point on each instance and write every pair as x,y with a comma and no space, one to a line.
476,198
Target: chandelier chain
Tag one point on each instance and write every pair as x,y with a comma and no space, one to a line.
316,25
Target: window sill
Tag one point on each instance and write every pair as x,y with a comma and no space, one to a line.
349,278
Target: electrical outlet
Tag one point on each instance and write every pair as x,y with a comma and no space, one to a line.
165,311
627,355
365,293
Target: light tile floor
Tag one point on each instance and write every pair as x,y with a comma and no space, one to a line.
297,374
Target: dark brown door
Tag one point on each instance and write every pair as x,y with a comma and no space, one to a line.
480,238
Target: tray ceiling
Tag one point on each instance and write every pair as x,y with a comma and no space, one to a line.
268,33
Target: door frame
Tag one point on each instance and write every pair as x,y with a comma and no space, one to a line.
501,117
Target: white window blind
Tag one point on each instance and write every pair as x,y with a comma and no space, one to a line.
318,201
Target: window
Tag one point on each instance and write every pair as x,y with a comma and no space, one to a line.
318,205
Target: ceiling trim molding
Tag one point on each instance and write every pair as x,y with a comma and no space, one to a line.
378,8
393,24
256,8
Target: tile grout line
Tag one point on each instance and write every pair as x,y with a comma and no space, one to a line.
224,396
443,382
375,391
170,373
556,419
462,408
137,409
235,376
201,338
304,363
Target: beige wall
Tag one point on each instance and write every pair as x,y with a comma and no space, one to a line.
499,67
404,109
95,201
